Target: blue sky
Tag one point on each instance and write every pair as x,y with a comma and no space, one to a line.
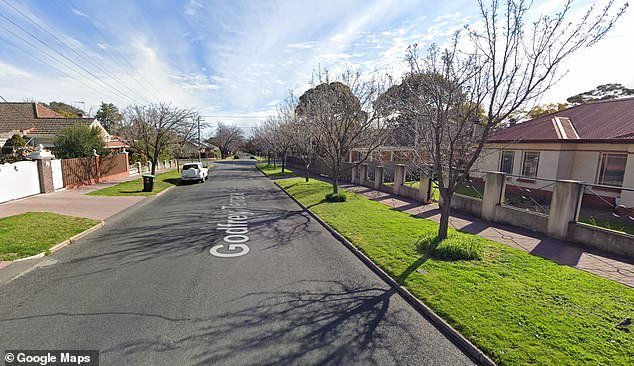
235,60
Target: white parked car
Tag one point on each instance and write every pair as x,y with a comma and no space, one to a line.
194,172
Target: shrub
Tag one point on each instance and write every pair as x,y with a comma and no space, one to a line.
339,197
79,141
456,247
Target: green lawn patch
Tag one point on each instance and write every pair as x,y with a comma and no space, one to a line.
608,224
435,193
518,308
275,171
135,187
32,233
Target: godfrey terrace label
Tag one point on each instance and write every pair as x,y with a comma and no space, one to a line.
235,228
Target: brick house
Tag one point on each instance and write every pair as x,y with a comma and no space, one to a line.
40,125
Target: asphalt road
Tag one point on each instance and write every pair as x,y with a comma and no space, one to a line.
146,290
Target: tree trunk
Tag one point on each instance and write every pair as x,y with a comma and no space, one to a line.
445,210
283,162
153,172
307,172
335,181
268,159
275,162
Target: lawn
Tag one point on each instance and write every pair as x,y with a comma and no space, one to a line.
135,187
608,224
435,193
275,171
35,232
518,308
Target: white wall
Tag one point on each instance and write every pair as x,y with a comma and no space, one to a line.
585,166
18,180
58,181
487,161
566,162
548,163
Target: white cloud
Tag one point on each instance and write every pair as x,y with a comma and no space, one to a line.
302,45
192,7
79,13
239,58
10,71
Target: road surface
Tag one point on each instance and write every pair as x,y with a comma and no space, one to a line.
146,289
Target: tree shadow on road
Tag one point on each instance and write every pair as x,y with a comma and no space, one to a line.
309,322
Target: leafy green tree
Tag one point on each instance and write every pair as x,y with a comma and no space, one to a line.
542,110
16,141
109,116
64,109
15,149
79,141
601,92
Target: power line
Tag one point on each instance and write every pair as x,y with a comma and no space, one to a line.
50,65
11,105
71,61
94,64
120,55
46,63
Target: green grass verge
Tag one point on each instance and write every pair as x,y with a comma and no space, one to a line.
608,224
135,187
518,308
275,171
32,233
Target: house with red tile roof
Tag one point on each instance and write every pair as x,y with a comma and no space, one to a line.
593,143
40,125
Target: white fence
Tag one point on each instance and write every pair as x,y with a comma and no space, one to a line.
58,181
18,180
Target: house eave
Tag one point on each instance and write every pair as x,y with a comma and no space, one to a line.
563,141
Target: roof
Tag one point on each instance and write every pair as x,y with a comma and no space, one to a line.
35,119
116,142
603,121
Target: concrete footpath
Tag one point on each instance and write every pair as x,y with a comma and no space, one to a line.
603,264
72,202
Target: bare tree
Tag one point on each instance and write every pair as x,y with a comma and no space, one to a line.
285,128
341,115
456,96
264,138
277,135
153,129
227,138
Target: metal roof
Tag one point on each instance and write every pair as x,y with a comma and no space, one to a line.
604,121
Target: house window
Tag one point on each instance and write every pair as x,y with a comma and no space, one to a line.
612,169
530,163
506,162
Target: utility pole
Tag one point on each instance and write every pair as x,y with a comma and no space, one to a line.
199,159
